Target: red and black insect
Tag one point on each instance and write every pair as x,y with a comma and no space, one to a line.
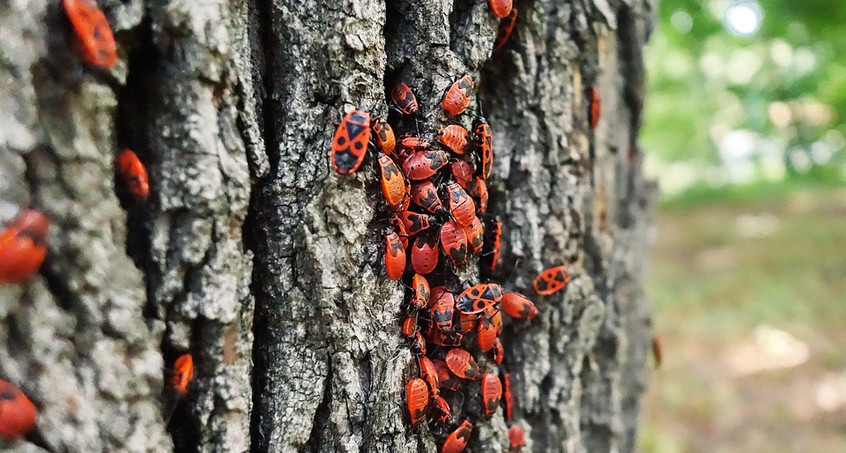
23,246
349,145
93,33
508,396
477,298
494,243
461,206
479,189
484,146
134,174
468,322
418,346
409,325
657,350
183,372
415,143
457,440
17,413
454,137
475,234
506,26
595,107
414,222
516,439
424,164
404,99
454,242
501,8
518,306
442,310
394,256
429,373
399,228
457,97
424,254
425,194
462,171
551,280
446,379
384,135
491,393
393,183
416,399
443,409
461,364
489,328
421,292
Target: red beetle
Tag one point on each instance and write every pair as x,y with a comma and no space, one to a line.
454,242
491,393
93,33
454,137
489,328
475,233
384,134
414,143
404,99
416,399
394,256
484,146
420,286
446,379
461,364
414,222
183,373
508,396
17,413
429,373
468,322
457,97
462,171
23,246
425,194
442,311
593,98
501,8
506,26
424,254
494,243
516,439
518,306
457,440
134,174
349,144
460,204
498,352
478,298
393,183
398,227
551,280
424,164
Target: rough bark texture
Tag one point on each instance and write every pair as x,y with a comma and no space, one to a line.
251,254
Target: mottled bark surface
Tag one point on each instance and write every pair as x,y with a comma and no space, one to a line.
258,259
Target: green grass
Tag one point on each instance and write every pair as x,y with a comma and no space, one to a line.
711,285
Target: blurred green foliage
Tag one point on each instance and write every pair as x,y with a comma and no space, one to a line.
724,108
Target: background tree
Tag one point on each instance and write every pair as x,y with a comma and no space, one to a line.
254,256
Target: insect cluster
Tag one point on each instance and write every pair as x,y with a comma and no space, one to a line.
435,188
23,240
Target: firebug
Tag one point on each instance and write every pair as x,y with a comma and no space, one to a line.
134,174
425,194
443,409
418,345
500,8
475,234
461,364
349,145
461,206
508,396
429,374
394,256
516,439
384,135
457,440
551,280
593,99
93,33
420,286
454,242
484,146
457,97
454,137
442,311
498,352
409,325
477,298
424,254
479,189
415,143
393,183
416,399
404,99
424,164
489,328
183,372
414,222
23,246
518,306
494,243
446,379
17,413
462,171
491,393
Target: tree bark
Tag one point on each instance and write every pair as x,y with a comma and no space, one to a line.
264,264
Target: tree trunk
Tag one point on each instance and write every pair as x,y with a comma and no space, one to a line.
254,256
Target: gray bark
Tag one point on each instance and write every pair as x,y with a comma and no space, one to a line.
254,256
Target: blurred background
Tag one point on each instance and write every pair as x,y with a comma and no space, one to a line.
744,131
